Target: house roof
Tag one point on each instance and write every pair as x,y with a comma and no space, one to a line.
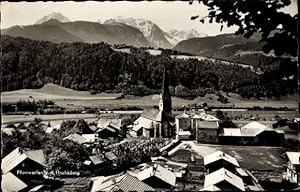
182,116
14,158
113,122
152,113
205,116
211,188
8,130
124,183
11,183
224,175
110,156
241,172
184,133
218,155
93,128
235,132
96,159
142,122
37,156
89,137
197,115
159,172
37,188
76,138
294,157
208,124
253,129
49,130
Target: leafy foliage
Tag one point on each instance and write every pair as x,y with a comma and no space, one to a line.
276,27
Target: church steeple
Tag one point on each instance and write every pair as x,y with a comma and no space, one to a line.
165,103
165,107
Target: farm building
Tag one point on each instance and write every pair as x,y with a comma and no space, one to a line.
224,180
199,125
219,159
156,122
293,167
124,183
11,183
225,174
109,126
76,138
254,133
22,169
156,176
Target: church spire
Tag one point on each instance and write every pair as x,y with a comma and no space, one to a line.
165,97
165,83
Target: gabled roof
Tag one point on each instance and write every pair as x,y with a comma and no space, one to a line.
208,124
8,130
11,183
37,188
76,138
93,128
106,128
142,122
234,132
211,188
124,183
37,156
182,116
110,156
152,113
224,175
96,159
158,172
89,137
206,117
218,155
113,122
294,157
252,129
14,158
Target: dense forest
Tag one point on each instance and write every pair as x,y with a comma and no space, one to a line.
98,68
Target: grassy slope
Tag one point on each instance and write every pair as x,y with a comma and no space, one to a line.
67,97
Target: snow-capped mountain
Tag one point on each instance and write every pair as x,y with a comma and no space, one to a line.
150,30
54,15
175,36
155,34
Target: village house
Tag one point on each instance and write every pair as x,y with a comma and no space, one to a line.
125,183
225,174
198,125
218,160
109,127
76,138
253,133
11,183
25,164
156,122
223,180
293,167
22,168
156,176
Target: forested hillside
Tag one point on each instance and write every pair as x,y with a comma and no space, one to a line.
230,47
96,67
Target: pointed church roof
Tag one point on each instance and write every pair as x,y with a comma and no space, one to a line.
165,83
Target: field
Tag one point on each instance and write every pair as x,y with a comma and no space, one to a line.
68,98
53,92
264,162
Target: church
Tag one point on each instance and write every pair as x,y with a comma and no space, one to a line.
156,122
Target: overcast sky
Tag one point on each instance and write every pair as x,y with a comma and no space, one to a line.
167,15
